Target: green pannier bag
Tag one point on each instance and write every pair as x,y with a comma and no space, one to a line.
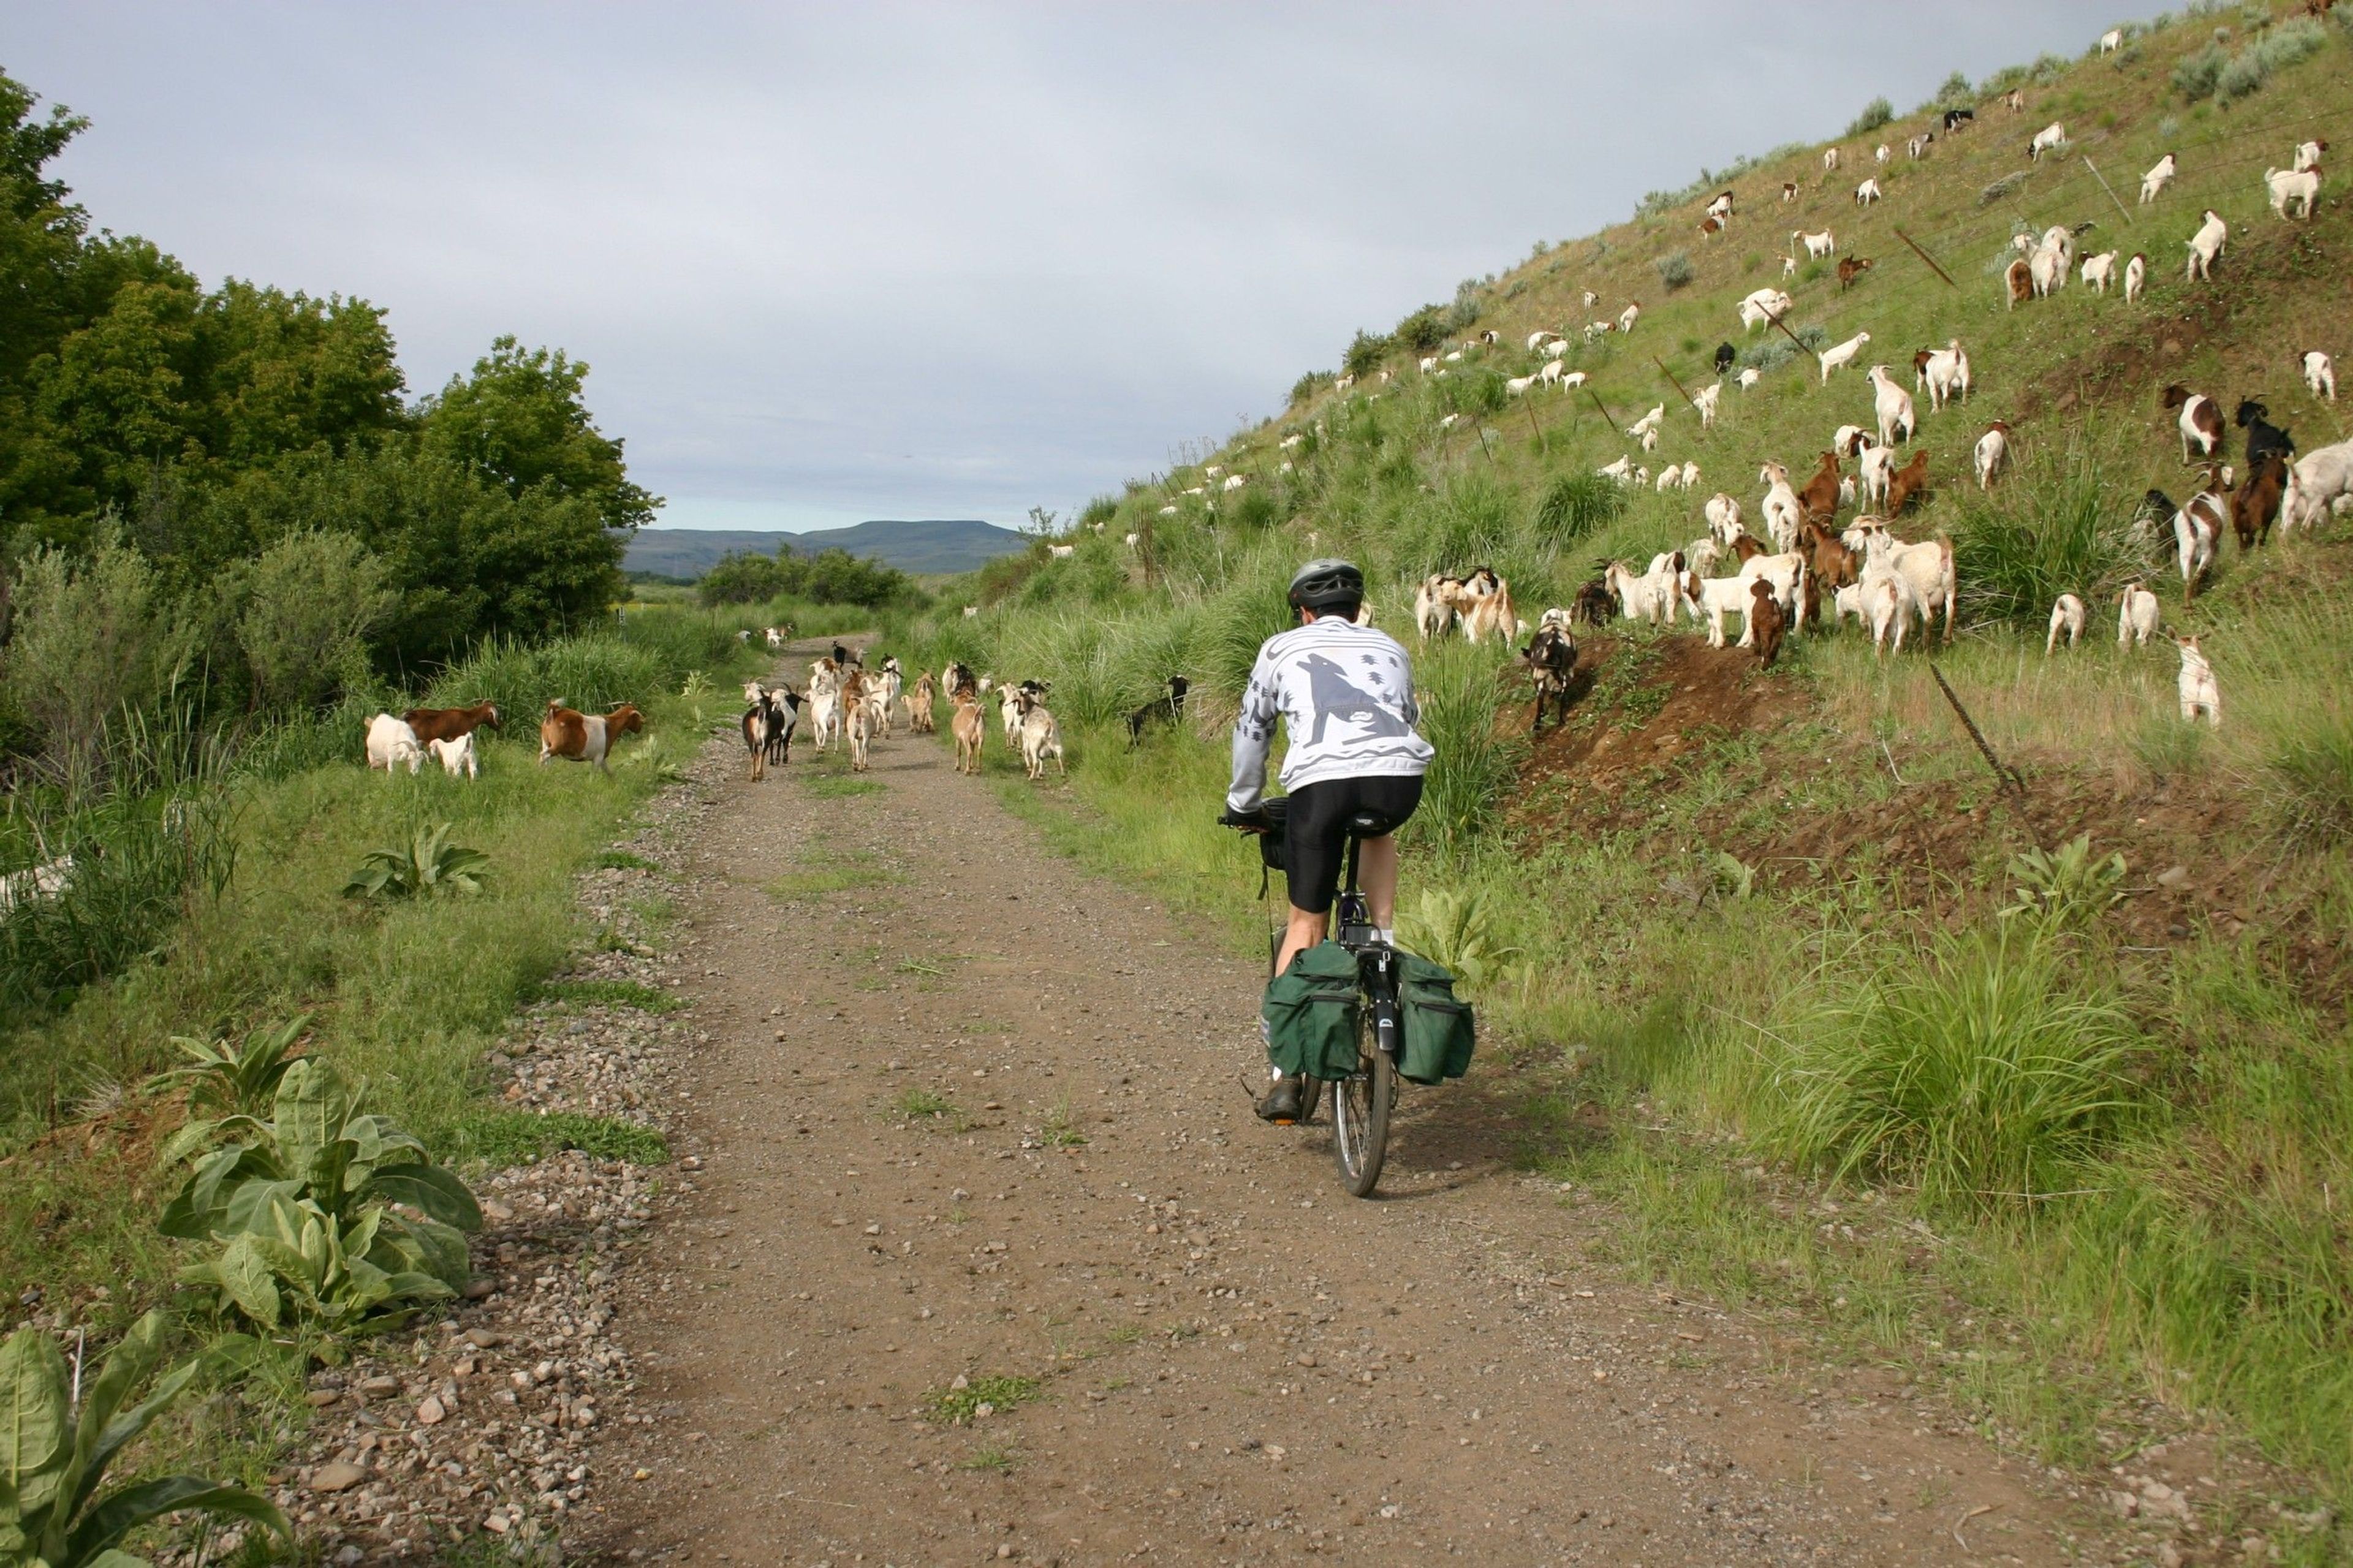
1311,1013
1439,1030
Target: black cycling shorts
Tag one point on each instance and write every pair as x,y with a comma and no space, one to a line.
1315,841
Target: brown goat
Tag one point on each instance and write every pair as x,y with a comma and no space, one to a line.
1827,561
1906,482
2020,281
450,724
1820,496
1747,548
1766,622
1852,267
2256,505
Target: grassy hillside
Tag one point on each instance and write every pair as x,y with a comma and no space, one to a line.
927,546
2088,1154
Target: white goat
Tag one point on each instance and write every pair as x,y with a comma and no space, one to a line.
2051,136
2320,480
1649,423
2293,187
2160,174
1705,403
1945,370
1763,305
1878,473
1927,567
1817,245
2308,154
2135,277
1867,193
2066,615
1781,508
2112,40
1892,406
1749,377
1723,515
1992,453
2099,271
2136,614
36,884
1649,598
2201,696
2319,373
390,741
1841,354
2206,245
456,757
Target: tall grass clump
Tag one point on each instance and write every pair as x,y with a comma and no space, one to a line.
2059,528
2312,773
1674,269
1875,113
1474,764
1983,1072
1575,505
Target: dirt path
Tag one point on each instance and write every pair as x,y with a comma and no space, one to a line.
1232,1362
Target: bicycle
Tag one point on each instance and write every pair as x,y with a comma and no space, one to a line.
1361,1102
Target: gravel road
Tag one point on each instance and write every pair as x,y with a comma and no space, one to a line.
986,1259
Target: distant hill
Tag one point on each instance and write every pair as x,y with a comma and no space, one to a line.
929,546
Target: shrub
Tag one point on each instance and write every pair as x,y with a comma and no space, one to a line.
1981,1072
1456,928
1574,505
741,577
1999,189
1365,351
1423,331
1308,386
1674,269
1768,355
93,642
2196,76
1955,93
220,1077
310,601
1470,302
61,1436
1875,113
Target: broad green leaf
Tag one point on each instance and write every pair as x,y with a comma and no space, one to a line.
33,1422
256,1208
438,1250
110,1558
101,1442
122,1511
286,1261
433,1191
244,1276
312,1105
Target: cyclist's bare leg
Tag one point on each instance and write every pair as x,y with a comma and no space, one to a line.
1377,875
1305,931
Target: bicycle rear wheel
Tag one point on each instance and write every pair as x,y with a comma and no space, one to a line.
1360,1110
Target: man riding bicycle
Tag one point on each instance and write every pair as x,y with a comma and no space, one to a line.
1345,693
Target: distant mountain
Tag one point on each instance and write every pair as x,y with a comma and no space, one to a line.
925,547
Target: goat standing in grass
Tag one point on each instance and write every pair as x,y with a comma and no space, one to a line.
1040,737
2201,697
970,730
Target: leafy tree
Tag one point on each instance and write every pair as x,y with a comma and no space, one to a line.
837,577
93,639
1365,355
519,421
309,604
1423,331
745,577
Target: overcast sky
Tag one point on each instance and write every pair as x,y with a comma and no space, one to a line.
837,262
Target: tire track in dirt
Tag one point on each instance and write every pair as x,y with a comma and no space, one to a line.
1234,1362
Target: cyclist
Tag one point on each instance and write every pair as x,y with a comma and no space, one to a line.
1345,695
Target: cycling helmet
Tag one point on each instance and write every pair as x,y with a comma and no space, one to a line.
1327,585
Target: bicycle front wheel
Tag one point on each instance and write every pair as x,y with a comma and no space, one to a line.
1360,1110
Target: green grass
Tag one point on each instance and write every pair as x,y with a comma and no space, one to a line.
608,993
961,1406
520,1137
622,860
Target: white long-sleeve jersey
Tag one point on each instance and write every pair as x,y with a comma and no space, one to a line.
1344,692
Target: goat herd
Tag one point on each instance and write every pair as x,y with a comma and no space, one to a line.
447,735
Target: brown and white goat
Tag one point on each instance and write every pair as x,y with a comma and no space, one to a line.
579,737
449,723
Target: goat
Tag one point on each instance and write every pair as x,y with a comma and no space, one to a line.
2066,615
2197,534
1850,441
1725,355
1917,147
1817,245
1878,474
1008,710
1763,305
1712,598
2263,438
1625,317
2200,420
1167,709
2321,479
1766,623
1722,514
44,883
1484,601
2319,372
2052,136
2307,155
2137,614
2099,270
2015,100
1827,560
1649,423
449,723
2112,40
456,757
1830,158
2256,503
1819,498
1840,354
1867,193
1433,605
1649,598
2201,696
919,700
2046,268
1906,482
1788,191
758,722
1594,603
1041,738
1992,453
1957,118
1892,406
2291,187
1551,658
1943,371
969,729
1851,267
1781,509
2017,283
1704,403
390,741
579,737
1749,377
2206,245
2135,277
1927,567
825,700
858,710
2160,174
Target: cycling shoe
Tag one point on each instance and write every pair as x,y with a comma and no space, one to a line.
1280,1104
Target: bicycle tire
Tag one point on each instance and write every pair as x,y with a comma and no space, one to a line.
1360,1110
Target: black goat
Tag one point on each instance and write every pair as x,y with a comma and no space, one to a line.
1551,658
1168,709
1954,117
1594,604
1725,355
2262,438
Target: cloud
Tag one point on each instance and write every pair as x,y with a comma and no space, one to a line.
934,260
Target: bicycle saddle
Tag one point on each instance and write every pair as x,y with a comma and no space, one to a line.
1369,825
